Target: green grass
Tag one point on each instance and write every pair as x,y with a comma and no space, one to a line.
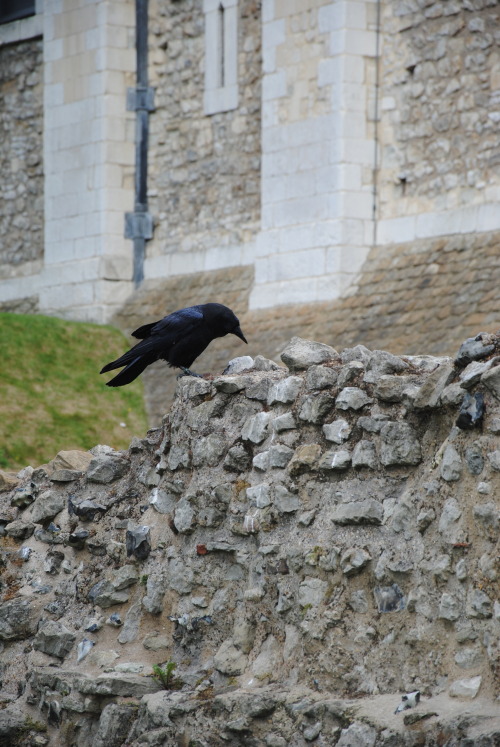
51,394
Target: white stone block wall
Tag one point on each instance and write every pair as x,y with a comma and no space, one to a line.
88,156
318,149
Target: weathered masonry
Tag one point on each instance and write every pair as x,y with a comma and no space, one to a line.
308,141
306,542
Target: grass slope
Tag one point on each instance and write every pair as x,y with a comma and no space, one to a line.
51,394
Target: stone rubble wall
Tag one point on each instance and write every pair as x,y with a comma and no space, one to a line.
306,542
204,171
439,106
21,162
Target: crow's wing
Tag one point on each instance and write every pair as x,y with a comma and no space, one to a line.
181,321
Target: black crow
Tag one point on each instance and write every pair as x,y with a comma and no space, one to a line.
178,339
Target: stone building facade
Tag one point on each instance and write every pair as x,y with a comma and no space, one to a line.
301,147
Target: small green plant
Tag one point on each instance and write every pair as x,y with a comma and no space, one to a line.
164,675
144,579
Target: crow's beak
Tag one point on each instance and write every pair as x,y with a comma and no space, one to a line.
239,334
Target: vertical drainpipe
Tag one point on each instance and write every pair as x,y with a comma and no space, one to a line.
139,224
376,124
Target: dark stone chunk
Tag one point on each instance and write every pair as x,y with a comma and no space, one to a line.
138,542
76,540
471,412
474,349
389,598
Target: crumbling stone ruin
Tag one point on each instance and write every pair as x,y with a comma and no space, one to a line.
307,543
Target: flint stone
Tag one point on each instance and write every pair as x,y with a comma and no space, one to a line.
382,363
299,354
491,379
479,604
354,560
285,422
230,660
255,428
315,407
17,619
461,570
124,577
180,576
117,684
364,455
284,391
312,592
265,364
267,663
373,423
304,458
285,501
472,374
155,591
400,444
352,398
230,384
451,465
104,595
320,377
46,507
452,395
184,516
51,535
358,735
471,412
338,431
450,515
393,388
358,602
208,450
130,628
488,515
465,688
389,598
114,725
12,725
279,456
156,642
65,475
474,459
358,353
261,461
138,542
178,457
162,501
73,460
449,607
474,348
8,480
23,496
19,529
54,639
259,495
349,373
104,469
494,460
430,392
469,658
368,511
259,389
237,459
239,364
335,460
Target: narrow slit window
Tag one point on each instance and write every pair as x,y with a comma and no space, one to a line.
221,55
221,46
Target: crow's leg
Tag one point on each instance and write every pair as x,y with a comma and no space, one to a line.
187,372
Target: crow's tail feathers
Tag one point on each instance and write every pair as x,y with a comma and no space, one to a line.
129,373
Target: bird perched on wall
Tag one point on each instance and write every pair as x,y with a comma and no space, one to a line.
178,339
